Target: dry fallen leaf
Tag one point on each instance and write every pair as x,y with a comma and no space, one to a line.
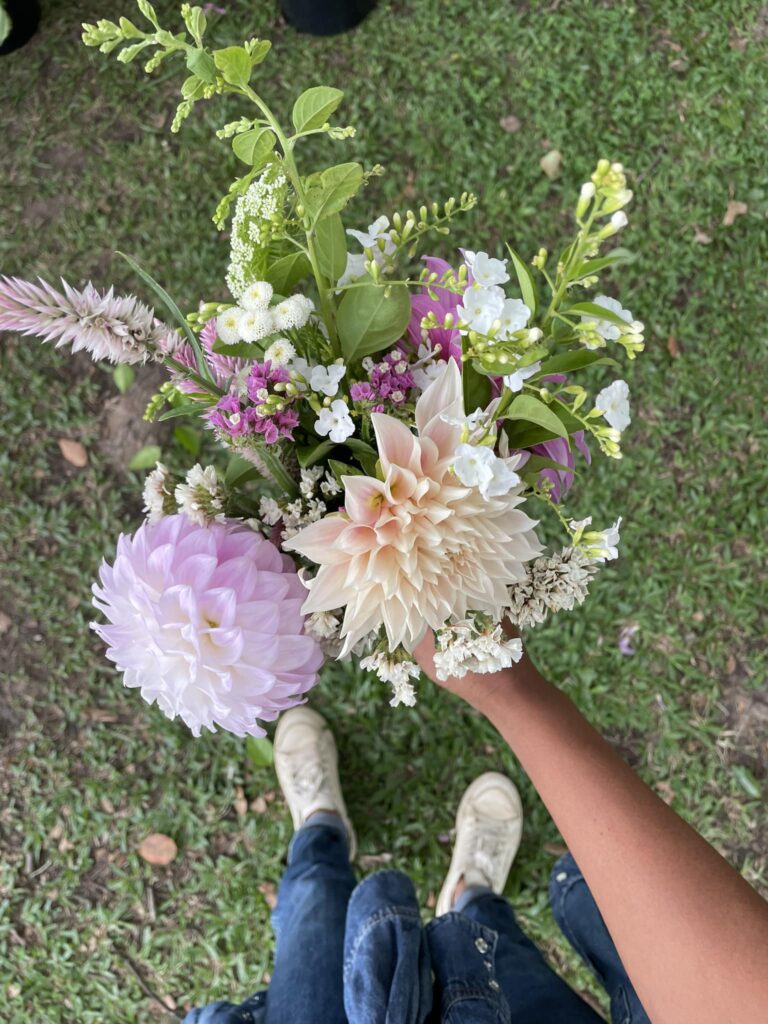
5,622
431,901
259,805
665,791
373,860
73,452
158,849
730,665
269,892
510,123
550,163
672,346
735,209
701,237
240,803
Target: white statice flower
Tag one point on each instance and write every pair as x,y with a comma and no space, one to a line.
199,497
269,511
514,317
257,295
485,269
606,329
335,422
300,513
292,312
326,379
475,644
309,480
554,583
613,402
395,671
228,325
158,494
255,324
280,352
330,487
514,381
478,466
322,625
603,546
481,308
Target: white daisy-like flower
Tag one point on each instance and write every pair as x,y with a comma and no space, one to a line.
158,498
292,312
256,296
613,402
256,324
199,497
228,325
280,352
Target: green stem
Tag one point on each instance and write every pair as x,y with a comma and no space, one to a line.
324,291
573,260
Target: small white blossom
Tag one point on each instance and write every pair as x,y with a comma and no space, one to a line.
269,511
514,316
256,296
605,328
199,497
228,325
158,499
369,239
309,479
514,381
335,422
292,312
476,644
620,220
326,379
481,308
395,671
354,269
330,486
478,466
280,352
322,626
255,324
613,402
485,269
604,546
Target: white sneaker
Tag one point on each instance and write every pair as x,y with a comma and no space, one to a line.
489,825
306,762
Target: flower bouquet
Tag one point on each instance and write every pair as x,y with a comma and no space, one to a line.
385,421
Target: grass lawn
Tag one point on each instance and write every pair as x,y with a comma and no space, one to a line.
449,95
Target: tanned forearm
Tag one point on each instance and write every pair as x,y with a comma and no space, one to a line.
691,933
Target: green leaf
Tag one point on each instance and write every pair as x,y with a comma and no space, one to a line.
477,388
238,471
313,108
278,472
285,273
536,463
331,190
146,457
596,312
201,65
525,280
188,409
341,469
259,751
611,259
533,410
254,146
123,375
747,781
309,454
577,359
192,88
365,454
331,247
5,24
175,312
188,438
368,321
241,349
235,65
258,49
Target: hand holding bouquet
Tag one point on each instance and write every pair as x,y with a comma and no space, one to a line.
386,420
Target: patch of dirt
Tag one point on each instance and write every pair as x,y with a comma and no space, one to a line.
123,430
746,712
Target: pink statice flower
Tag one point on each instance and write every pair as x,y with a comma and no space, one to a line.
230,417
390,381
206,622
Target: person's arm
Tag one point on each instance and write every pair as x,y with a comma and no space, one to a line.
692,934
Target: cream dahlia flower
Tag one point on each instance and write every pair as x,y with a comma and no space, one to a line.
417,548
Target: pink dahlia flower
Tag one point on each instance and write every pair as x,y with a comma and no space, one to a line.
206,621
417,547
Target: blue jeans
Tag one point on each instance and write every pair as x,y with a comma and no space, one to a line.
358,954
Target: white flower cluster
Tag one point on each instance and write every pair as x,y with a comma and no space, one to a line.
307,508
485,308
253,318
377,238
199,497
597,545
594,333
324,380
476,644
258,210
478,466
394,671
613,402
554,583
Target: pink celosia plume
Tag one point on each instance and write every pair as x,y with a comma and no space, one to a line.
416,547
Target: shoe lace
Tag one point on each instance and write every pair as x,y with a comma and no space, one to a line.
485,844
307,776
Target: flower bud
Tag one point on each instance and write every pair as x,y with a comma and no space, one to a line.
585,198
